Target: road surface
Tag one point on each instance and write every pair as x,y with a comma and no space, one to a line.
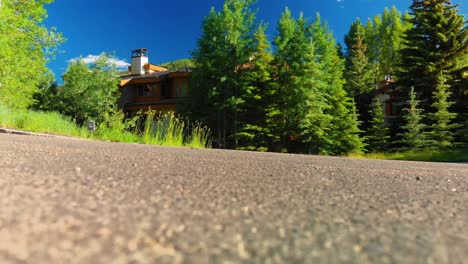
79,201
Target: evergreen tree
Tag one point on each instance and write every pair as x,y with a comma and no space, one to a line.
373,54
203,104
314,104
377,134
258,111
314,126
344,132
414,136
434,44
343,136
358,68
219,80
286,64
442,129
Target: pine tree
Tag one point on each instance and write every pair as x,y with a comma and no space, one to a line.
414,136
259,108
219,80
358,68
442,129
434,44
316,112
287,59
343,133
373,53
314,126
205,83
377,134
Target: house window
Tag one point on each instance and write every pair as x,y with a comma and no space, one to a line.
166,90
184,92
181,89
388,107
145,90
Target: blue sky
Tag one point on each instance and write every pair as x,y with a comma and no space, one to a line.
170,29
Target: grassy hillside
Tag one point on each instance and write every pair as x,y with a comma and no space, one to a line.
177,64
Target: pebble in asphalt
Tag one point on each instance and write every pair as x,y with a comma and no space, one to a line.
79,201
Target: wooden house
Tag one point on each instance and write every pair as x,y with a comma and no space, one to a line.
148,86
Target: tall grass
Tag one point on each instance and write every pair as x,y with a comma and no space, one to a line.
42,122
159,129
200,137
169,130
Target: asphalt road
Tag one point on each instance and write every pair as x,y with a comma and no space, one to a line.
78,201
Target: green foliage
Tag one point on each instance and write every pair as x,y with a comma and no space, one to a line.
219,79
358,68
293,101
25,48
165,130
345,132
256,114
458,155
392,32
377,134
360,79
442,129
437,42
303,124
169,130
117,128
414,136
89,92
384,39
175,65
316,112
42,122
199,137
45,99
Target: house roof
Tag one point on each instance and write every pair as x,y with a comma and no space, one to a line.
128,78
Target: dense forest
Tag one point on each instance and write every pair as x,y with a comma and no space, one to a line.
305,93
298,91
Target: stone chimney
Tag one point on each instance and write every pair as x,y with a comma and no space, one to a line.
139,60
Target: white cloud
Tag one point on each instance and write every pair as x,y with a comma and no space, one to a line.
90,59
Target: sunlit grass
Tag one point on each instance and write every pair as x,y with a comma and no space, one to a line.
169,130
458,155
165,129
200,137
42,122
